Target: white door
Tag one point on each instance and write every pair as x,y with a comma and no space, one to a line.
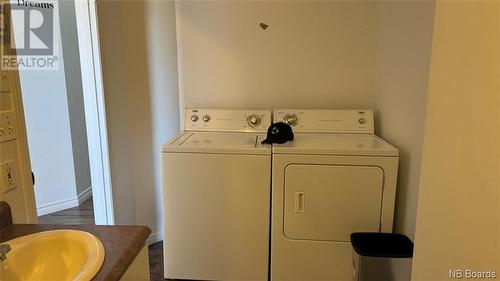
16,187
328,202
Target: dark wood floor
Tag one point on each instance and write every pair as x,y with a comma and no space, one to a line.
83,214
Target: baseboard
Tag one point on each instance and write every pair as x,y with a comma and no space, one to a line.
57,206
154,237
86,194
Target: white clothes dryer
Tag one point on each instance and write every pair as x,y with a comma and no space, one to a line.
336,177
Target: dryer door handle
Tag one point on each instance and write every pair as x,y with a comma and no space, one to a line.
300,202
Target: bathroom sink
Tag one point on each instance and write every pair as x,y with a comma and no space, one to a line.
53,255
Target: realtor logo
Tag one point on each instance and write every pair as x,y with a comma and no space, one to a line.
34,30
27,30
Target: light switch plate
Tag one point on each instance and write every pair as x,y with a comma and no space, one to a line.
4,81
8,126
9,176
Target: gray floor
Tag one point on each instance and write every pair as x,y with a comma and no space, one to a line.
156,262
83,214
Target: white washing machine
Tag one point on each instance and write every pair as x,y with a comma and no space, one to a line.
335,178
217,196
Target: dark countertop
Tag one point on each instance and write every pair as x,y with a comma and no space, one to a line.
122,243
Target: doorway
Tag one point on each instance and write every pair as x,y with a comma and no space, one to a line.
65,120
56,129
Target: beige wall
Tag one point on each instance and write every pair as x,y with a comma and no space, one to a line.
314,53
139,63
114,67
404,48
458,207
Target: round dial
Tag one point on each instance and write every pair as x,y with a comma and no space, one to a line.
206,118
254,120
290,119
194,118
361,120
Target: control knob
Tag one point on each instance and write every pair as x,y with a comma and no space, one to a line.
253,120
290,119
206,118
194,118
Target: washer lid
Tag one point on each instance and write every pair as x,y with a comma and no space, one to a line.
218,142
336,144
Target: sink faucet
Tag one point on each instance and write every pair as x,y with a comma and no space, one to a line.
4,249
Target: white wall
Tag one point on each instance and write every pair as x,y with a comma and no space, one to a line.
49,135
53,107
458,205
314,53
138,50
75,95
404,48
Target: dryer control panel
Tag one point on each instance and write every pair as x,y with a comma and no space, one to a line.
227,120
358,121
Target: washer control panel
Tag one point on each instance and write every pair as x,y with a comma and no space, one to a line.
227,120
327,120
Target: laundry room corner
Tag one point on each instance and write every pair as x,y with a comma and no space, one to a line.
403,62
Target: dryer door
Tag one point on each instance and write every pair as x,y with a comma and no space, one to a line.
329,202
